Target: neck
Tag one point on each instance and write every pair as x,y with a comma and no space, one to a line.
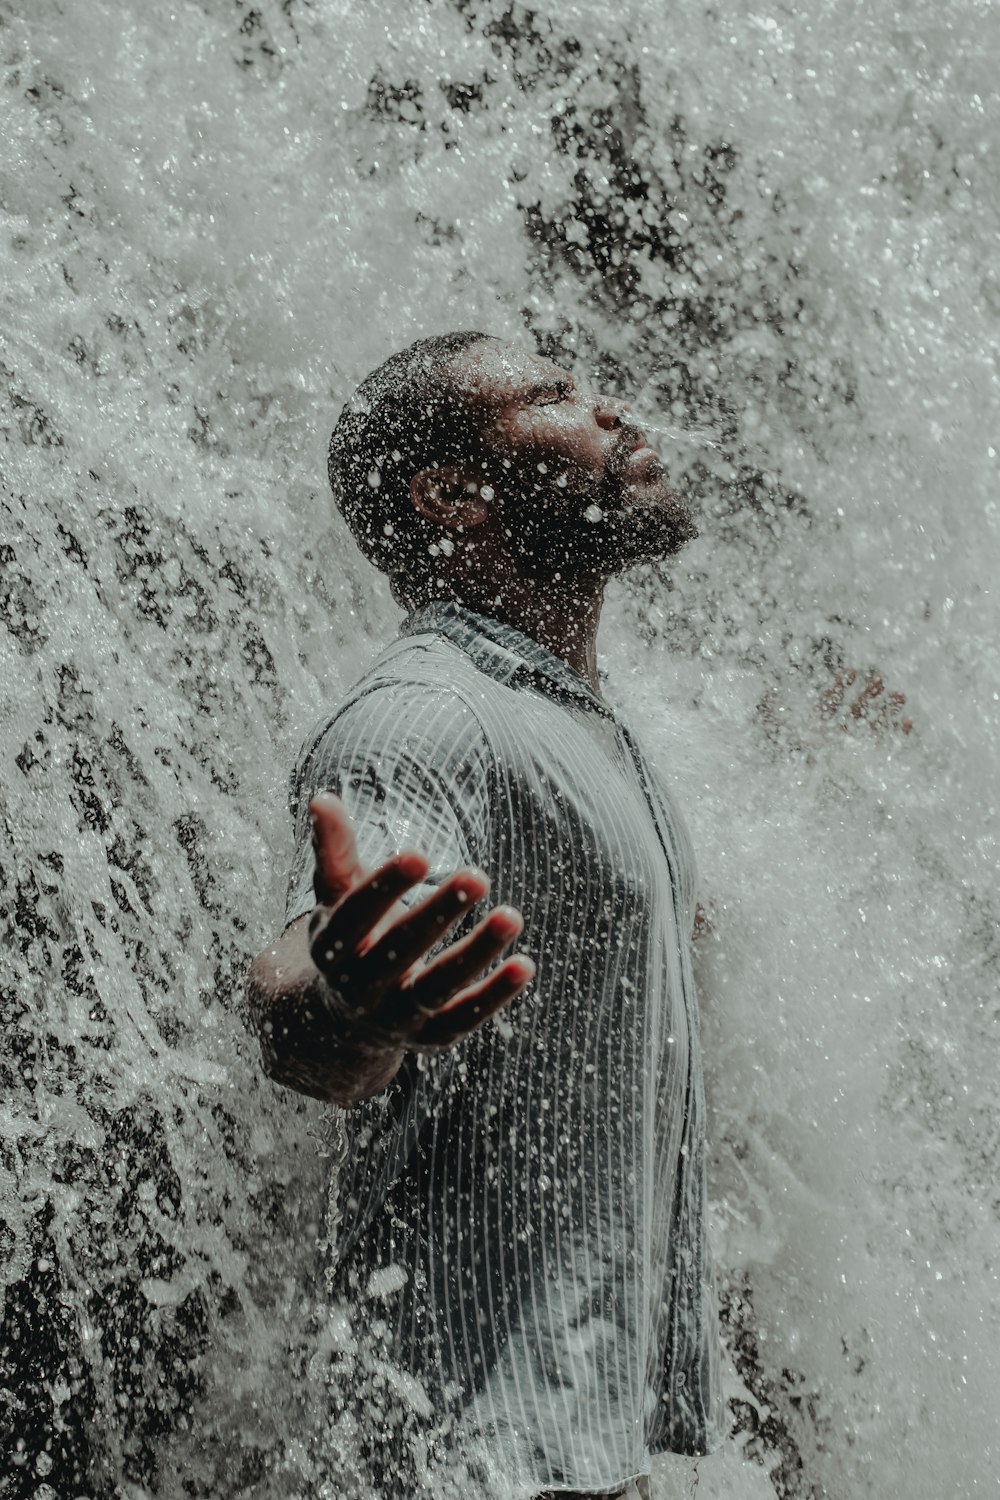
560,614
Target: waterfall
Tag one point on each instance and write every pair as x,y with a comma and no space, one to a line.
776,233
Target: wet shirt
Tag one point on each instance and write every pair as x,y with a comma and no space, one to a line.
526,1212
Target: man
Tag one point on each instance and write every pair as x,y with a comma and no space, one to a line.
520,1214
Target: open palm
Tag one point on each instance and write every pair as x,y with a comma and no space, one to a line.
373,952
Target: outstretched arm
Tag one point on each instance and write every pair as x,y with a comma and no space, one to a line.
347,989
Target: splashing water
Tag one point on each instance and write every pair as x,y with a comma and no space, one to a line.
777,232
691,435
653,426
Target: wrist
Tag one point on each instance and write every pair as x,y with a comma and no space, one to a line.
314,1041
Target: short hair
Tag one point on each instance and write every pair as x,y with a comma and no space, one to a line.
407,415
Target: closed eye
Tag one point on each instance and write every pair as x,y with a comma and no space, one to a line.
549,395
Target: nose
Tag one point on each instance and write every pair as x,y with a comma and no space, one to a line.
609,412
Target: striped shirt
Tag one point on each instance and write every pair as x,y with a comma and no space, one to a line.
525,1213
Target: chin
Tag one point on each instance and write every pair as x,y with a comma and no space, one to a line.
646,529
639,523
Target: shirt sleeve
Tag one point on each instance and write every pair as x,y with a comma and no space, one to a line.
672,830
409,762
682,857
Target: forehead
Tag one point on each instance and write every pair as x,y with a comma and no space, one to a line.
496,374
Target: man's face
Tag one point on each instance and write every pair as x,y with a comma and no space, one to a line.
576,485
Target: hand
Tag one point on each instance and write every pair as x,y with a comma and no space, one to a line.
851,703
872,705
373,952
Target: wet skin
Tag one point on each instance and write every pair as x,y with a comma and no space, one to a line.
347,989
569,448
526,544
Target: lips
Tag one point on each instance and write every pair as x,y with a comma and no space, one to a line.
630,441
642,454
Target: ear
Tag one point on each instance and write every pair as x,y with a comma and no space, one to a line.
451,496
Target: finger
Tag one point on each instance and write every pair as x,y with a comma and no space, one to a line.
874,687
337,865
829,703
898,701
420,929
833,697
343,931
430,988
472,1009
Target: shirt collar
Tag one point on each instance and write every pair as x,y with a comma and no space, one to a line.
501,650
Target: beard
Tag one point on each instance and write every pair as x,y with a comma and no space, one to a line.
605,526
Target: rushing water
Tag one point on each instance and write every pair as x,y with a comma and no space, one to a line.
777,230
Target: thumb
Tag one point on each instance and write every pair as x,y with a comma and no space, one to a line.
338,868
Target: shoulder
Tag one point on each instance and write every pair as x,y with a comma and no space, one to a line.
414,705
417,691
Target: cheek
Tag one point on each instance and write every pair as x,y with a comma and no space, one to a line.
558,434
546,453
585,451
